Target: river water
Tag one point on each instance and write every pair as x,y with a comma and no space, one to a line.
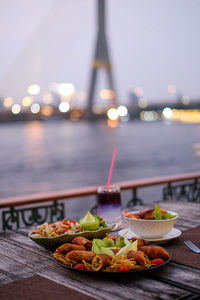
49,156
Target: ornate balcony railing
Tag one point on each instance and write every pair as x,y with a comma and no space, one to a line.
189,192
16,215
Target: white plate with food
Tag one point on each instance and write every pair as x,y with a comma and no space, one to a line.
151,223
173,234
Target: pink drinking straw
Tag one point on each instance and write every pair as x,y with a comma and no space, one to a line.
111,168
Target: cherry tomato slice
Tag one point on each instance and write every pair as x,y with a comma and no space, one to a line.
80,266
157,261
123,269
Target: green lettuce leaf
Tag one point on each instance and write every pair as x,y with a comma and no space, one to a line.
99,249
126,241
169,216
97,242
157,212
108,243
120,242
103,224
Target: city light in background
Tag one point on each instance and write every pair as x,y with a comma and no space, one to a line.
8,102
64,107
171,89
35,108
64,99
27,101
186,100
16,108
47,98
50,73
33,89
53,89
138,91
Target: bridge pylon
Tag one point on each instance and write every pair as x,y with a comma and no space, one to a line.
100,61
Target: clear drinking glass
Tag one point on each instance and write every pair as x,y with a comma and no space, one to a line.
109,204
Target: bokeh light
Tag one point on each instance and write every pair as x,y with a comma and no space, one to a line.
112,123
35,108
149,116
33,89
142,102
167,113
75,115
47,98
171,89
112,114
66,89
16,108
186,115
107,94
138,91
122,111
27,101
64,107
8,102
47,110
185,100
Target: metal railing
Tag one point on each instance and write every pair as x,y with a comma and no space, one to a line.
14,215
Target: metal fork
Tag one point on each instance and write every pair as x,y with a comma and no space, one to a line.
192,246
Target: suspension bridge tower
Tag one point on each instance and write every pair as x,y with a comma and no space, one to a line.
101,60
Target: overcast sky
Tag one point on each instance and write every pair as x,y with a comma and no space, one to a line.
152,43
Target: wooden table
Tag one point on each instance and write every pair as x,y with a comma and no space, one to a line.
21,258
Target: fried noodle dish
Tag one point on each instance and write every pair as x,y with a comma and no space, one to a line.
101,255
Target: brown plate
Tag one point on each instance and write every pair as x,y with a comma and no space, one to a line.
51,243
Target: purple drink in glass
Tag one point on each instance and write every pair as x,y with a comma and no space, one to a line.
109,204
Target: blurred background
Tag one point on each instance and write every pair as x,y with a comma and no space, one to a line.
149,111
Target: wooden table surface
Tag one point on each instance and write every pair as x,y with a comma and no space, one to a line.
20,258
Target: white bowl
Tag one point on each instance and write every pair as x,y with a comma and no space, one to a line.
151,228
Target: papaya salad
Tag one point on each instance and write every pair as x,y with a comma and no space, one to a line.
110,254
88,223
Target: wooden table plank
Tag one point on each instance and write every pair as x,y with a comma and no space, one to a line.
16,238
179,274
26,257
11,270
116,288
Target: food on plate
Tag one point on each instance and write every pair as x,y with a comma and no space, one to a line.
112,255
100,261
155,213
81,241
67,247
157,261
88,223
78,255
139,257
154,252
140,242
112,237
80,266
57,228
